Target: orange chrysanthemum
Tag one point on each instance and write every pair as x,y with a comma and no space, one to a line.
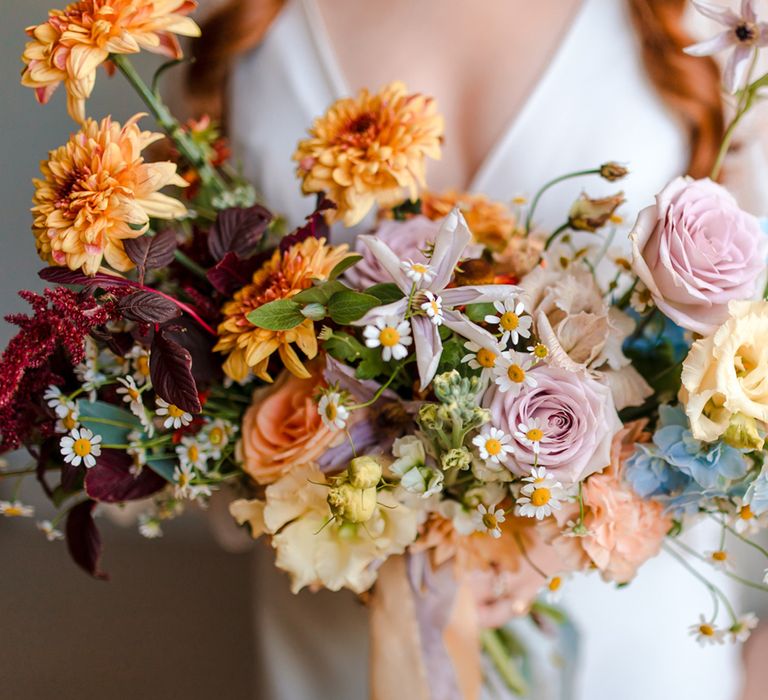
491,223
96,191
285,274
370,149
75,41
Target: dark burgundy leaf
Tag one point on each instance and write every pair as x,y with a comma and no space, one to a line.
170,366
316,226
152,252
232,273
84,540
71,478
148,307
63,275
206,366
111,481
238,230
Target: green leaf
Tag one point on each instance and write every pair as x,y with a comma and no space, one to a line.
478,312
348,306
453,351
163,467
386,292
111,422
344,265
344,347
372,365
280,315
319,294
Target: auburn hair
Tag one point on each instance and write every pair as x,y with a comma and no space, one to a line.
690,86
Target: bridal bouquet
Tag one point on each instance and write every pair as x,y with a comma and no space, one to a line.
456,414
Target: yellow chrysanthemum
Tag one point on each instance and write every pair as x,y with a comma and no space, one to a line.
75,41
492,223
285,274
370,149
96,191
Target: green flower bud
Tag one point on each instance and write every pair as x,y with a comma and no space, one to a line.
429,417
742,433
350,504
364,473
314,311
457,458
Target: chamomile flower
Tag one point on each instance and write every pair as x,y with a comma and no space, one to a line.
140,362
540,496
511,372
530,434
481,357
60,403
539,351
332,410
81,446
138,454
193,454
510,320
149,526
391,334
183,475
553,589
640,299
719,559
131,395
706,632
488,520
420,273
217,435
493,445
742,628
433,307
744,520
16,509
70,421
50,532
175,417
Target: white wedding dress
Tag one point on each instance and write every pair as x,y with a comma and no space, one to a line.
634,643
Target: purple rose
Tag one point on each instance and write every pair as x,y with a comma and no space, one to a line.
407,239
574,413
696,250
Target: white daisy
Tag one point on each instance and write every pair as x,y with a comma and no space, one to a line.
149,526
174,416
50,532
332,410
131,395
433,307
530,434
493,445
553,589
140,362
540,496
183,475
60,403
510,320
16,509
539,351
488,520
217,435
481,357
138,455
742,628
744,520
719,559
70,421
511,372
640,299
81,446
391,334
420,273
192,453
706,632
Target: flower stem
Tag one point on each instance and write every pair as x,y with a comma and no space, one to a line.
549,185
187,147
555,234
504,664
190,264
378,393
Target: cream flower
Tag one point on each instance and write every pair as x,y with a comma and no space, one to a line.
316,551
725,375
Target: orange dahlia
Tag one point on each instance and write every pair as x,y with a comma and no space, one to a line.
96,190
370,149
491,223
70,46
285,274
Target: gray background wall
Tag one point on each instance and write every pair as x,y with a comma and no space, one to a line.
175,620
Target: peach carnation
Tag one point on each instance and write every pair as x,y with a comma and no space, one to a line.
73,42
282,428
370,149
625,530
96,191
283,275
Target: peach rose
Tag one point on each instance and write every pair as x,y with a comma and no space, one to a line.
282,428
625,530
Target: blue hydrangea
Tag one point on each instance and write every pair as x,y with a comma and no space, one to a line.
680,469
757,494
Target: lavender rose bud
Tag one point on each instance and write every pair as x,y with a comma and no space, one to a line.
576,415
696,250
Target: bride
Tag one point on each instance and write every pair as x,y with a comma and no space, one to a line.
529,90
